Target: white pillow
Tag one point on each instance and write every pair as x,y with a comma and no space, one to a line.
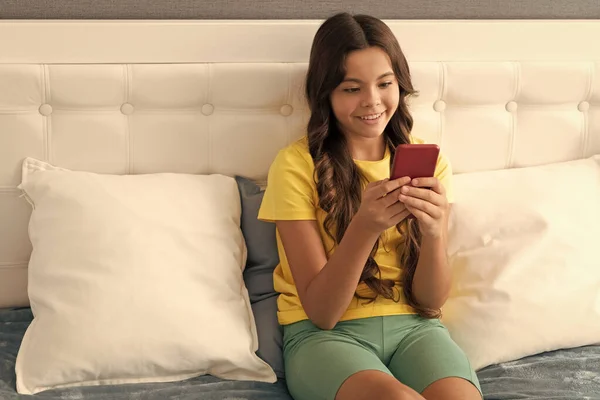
135,278
525,252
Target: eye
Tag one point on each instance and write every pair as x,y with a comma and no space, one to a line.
351,90
385,84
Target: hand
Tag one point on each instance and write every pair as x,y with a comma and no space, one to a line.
429,206
380,207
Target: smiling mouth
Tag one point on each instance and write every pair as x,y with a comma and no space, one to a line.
371,117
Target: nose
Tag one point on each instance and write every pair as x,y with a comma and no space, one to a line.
371,98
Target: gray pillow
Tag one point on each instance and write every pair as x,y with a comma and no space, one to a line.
258,275
270,334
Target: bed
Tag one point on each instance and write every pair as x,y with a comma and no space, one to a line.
222,97
563,374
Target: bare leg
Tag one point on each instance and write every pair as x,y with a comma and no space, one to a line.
372,384
452,388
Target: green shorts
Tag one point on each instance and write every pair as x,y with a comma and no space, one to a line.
415,350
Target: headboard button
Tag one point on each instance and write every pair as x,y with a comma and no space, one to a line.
439,105
127,108
286,110
583,106
208,109
511,106
45,109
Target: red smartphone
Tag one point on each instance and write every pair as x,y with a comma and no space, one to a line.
415,161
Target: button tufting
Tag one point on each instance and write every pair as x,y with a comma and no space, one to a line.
439,105
511,106
286,110
583,106
127,108
45,109
208,109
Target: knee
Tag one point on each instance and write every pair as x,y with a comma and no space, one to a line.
369,385
396,391
383,391
452,388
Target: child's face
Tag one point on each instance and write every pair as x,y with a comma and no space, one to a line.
369,89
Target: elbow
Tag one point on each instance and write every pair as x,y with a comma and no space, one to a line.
317,313
325,326
432,297
322,322
433,303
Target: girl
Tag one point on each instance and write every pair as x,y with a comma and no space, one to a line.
363,269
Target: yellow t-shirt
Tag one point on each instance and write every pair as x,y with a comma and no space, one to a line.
291,194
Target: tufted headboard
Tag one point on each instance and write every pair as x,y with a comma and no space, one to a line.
224,96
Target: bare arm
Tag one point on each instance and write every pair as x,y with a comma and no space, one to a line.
431,283
432,279
326,287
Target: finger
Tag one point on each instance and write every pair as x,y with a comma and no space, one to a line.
420,215
418,204
423,194
392,185
391,198
395,208
371,191
396,219
371,185
433,183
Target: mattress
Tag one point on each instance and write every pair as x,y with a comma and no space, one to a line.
570,374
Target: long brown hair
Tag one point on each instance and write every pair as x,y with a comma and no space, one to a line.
339,181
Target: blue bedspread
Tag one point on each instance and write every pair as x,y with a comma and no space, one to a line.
572,374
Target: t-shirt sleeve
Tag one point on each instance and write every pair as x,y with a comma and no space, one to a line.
443,171
290,192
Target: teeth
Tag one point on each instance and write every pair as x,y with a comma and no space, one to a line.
374,116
